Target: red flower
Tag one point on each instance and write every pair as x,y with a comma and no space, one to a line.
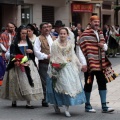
117,35
19,57
56,65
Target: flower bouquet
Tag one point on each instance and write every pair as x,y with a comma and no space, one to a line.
117,36
56,67
20,61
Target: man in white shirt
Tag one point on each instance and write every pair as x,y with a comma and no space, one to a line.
42,48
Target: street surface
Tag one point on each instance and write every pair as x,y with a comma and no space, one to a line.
77,112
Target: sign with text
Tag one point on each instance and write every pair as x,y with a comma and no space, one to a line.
81,7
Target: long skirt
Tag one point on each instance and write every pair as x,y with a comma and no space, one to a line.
68,79
16,85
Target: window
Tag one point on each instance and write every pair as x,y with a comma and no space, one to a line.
48,14
26,14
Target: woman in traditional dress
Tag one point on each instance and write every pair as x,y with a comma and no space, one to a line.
64,87
22,80
112,41
32,35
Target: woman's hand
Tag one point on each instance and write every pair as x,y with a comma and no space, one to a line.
29,51
84,68
17,63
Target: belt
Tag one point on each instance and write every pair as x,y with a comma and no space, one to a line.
46,61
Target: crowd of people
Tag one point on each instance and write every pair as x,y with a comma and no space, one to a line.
46,64
112,37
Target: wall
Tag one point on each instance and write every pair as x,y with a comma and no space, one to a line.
108,12
61,10
9,14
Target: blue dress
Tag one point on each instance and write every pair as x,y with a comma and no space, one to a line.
68,89
60,99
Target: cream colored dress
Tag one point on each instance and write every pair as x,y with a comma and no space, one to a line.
16,85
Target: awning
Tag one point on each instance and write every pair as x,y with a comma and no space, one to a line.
16,2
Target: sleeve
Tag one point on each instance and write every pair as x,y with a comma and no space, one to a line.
81,56
105,47
7,54
37,50
2,47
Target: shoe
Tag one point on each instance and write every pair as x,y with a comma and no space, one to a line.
29,107
14,104
88,108
107,109
57,109
67,114
44,104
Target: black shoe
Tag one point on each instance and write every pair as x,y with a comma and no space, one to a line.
29,107
44,104
14,104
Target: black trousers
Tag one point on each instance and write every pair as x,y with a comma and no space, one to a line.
101,81
43,75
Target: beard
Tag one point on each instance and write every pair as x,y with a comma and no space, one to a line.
95,27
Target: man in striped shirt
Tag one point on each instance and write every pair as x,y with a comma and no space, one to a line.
93,46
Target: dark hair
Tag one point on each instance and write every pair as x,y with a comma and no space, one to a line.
11,23
41,25
34,24
63,28
117,25
30,27
18,36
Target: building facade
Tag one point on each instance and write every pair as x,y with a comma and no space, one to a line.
108,12
37,11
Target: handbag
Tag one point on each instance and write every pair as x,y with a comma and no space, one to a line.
109,73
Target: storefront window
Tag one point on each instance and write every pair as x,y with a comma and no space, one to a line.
26,14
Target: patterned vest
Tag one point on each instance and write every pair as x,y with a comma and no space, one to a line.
45,48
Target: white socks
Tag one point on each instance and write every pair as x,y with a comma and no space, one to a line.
67,114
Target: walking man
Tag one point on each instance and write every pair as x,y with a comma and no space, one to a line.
42,47
93,46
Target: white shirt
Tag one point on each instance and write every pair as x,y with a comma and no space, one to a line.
105,47
80,55
37,48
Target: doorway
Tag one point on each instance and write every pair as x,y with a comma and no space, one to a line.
107,19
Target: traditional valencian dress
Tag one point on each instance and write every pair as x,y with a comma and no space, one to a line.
67,89
18,84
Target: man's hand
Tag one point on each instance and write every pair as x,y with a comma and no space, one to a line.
48,57
84,68
101,45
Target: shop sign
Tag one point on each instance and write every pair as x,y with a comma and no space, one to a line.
82,7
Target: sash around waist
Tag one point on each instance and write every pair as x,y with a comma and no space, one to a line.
46,61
